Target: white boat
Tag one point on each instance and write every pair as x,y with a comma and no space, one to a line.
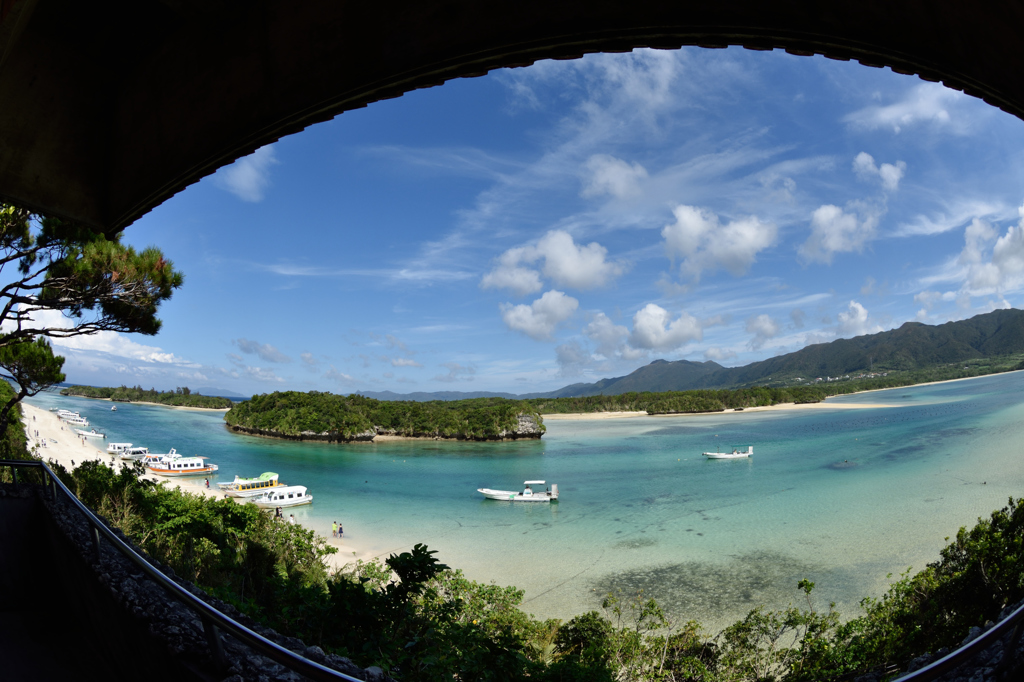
134,453
527,495
117,448
113,408
155,457
90,434
76,421
735,454
177,465
250,487
283,496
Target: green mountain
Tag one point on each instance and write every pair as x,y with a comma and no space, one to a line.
913,346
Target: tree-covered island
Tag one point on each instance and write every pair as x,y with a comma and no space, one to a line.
180,397
336,418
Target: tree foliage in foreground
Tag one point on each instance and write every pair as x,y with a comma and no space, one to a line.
295,414
63,279
422,621
180,397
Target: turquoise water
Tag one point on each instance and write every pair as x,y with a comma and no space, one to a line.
840,496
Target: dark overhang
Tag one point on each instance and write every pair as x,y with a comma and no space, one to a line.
109,107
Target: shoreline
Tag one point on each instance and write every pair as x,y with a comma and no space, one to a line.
585,416
64,447
145,402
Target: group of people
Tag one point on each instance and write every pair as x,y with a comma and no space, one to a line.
337,531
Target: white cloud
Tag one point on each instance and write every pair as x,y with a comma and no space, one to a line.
890,174
609,175
654,329
835,231
927,298
1004,268
456,372
926,103
263,374
539,319
763,327
955,215
334,375
565,262
718,354
404,362
572,359
704,243
264,351
854,321
508,274
249,177
608,336
309,361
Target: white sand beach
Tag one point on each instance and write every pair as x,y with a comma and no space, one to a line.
584,416
64,446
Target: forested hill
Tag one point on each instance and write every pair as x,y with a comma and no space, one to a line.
181,397
912,347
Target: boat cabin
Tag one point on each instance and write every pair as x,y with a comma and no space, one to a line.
117,448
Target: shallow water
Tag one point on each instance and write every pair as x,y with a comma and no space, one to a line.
841,497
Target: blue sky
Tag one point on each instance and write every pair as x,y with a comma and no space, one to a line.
577,219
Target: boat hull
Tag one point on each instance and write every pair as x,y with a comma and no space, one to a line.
725,455
513,496
204,471
296,502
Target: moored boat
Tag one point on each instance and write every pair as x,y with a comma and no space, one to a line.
176,465
137,452
283,496
250,487
113,408
90,434
117,448
528,495
735,454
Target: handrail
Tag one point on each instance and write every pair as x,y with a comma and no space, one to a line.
209,614
957,658
315,671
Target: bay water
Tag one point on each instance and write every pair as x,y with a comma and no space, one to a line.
837,495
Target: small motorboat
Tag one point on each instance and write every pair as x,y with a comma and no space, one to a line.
283,496
117,448
735,454
550,495
113,408
90,434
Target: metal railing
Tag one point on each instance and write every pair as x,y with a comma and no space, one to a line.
213,620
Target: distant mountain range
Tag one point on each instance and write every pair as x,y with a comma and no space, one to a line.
913,346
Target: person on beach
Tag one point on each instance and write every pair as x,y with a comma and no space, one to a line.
334,529
277,513
291,519
341,531
207,484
